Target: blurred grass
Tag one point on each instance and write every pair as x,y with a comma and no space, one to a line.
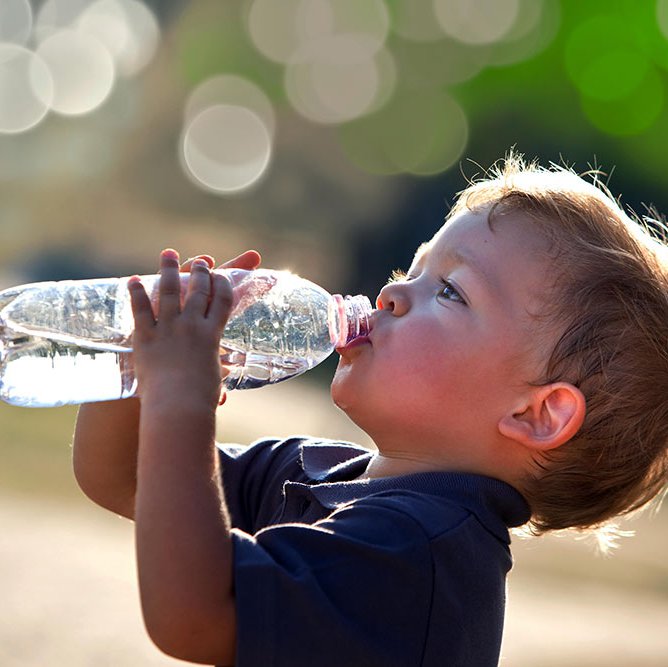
35,460
35,451
568,606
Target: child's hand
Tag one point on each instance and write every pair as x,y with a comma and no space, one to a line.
248,261
177,355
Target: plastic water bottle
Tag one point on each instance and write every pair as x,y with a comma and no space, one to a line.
70,341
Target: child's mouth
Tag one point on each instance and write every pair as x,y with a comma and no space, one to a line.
354,343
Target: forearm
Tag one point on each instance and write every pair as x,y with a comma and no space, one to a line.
105,453
184,552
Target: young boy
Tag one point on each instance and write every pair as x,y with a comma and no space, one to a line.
518,373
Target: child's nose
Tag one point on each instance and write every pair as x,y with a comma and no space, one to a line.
392,298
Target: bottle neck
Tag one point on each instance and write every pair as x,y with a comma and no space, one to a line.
349,318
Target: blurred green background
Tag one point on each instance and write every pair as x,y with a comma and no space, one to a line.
331,135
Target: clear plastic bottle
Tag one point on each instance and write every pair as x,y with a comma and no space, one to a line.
70,341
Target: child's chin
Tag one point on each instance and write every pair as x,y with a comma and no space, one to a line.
338,392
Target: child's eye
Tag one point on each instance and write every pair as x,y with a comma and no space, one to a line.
449,292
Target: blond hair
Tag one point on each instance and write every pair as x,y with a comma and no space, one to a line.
609,309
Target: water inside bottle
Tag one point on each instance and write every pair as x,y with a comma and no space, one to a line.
69,311
38,372
250,371
68,342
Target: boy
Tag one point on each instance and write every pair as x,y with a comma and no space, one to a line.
518,373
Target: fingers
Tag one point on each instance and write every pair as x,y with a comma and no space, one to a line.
169,290
208,294
187,265
141,305
248,260
199,288
221,300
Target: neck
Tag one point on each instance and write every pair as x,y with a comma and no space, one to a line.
382,465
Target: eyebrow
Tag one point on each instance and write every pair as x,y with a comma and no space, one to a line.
467,258
459,256
421,252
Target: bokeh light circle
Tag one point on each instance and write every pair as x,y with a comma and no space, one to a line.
335,84
82,70
621,90
56,15
127,28
233,90
386,68
433,64
602,59
476,21
272,28
415,21
632,114
26,89
417,132
613,74
226,148
662,16
369,18
537,24
15,21
279,30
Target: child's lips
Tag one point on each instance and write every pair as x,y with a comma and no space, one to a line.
353,344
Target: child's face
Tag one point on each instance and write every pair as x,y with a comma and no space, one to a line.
454,342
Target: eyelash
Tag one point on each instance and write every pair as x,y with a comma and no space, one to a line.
448,285
398,276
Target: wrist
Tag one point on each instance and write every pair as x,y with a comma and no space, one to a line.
167,404
180,392
185,428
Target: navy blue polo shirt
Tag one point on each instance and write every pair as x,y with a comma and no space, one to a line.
332,571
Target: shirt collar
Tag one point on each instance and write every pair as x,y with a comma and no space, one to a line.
332,469
333,461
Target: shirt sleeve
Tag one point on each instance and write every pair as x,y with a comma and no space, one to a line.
354,589
253,478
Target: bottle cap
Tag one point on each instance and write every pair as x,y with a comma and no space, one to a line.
349,318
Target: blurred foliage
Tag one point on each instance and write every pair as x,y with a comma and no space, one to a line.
36,451
580,83
592,96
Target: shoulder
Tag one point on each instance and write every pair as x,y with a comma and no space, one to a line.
316,457
329,450
413,511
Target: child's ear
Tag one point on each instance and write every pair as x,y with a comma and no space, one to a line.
549,417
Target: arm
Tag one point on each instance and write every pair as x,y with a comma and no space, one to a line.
106,436
183,546
105,453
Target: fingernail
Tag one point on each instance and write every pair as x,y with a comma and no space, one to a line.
170,253
208,259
